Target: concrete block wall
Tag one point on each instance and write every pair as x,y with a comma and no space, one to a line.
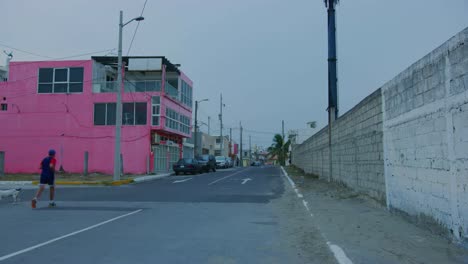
406,143
357,149
426,137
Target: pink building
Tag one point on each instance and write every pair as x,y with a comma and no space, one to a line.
70,106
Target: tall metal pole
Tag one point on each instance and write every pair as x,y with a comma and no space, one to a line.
195,142
230,140
118,116
209,121
282,123
221,123
241,151
250,148
332,78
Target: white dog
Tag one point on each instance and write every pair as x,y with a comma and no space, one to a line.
13,193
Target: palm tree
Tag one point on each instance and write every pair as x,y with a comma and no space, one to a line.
280,148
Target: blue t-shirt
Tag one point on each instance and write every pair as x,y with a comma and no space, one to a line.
45,167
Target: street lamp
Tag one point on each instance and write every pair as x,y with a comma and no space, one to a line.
118,121
195,142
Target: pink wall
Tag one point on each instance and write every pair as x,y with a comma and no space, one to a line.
36,122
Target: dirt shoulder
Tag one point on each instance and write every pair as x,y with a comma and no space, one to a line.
366,231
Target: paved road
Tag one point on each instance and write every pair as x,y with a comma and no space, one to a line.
232,216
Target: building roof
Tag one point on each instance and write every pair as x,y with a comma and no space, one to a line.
113,60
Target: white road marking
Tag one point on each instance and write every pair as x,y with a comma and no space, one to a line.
246,180
178,181
65,236
304,202
225,177
339,254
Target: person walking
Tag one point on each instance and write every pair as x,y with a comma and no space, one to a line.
47,167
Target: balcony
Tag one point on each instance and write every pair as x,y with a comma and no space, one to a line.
142,86
171,91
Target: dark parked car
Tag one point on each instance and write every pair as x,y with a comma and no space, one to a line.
187,165
208,162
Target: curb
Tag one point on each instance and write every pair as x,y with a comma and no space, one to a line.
91,183
151,177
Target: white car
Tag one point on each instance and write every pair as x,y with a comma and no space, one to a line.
221,162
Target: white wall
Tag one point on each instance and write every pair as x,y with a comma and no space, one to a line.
426,137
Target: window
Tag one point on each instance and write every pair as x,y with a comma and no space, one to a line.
104,114
155,110
186,96
134,114
4,107
60,80
177,121
218,141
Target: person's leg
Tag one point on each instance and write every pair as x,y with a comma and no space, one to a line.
39,191
38,195
52,193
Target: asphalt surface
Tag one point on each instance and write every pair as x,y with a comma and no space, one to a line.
237,215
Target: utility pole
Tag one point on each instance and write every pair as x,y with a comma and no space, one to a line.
195,142
230,140
240,146
209,119
118,115
332,78
250,148
282,122
221,123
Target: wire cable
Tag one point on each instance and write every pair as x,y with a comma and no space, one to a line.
136,29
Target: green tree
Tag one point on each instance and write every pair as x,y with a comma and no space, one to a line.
280,148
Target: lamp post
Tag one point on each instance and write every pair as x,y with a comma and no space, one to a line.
195,142
118,121
332,77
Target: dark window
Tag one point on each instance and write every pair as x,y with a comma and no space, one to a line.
76,87
61,75
104,114
128,114
60,80
134,114
4,107
60,87
111,112
218,140
99,114
140,113
46,75
45,88
76,75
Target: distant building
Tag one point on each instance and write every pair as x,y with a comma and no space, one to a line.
70,106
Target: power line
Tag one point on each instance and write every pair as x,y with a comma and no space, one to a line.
25,51
136,29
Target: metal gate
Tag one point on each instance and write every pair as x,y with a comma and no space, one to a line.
165,157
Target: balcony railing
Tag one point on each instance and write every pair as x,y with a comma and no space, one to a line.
104,87
142,86
171,91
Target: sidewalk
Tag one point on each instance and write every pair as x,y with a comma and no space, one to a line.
33,184
366,231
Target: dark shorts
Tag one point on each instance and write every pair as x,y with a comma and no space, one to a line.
47,179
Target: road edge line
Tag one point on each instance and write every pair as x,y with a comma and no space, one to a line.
338,252
2,258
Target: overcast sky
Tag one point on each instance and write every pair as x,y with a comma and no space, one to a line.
267,57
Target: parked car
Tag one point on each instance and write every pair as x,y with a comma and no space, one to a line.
229,162
208,162
187,165
256,163
221,162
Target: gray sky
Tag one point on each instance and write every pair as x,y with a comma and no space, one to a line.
267,57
